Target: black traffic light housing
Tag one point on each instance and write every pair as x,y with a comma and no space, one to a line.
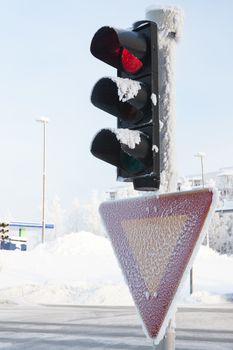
4,229
132,97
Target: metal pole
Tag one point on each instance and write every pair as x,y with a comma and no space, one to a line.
201,155
203,185
168,342
44,182
169,22
202,171
191,281
43,120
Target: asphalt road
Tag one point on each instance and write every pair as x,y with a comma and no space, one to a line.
80,327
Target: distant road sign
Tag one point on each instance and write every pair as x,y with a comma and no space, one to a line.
30,225
155,239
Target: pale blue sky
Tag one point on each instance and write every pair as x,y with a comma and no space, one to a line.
47,69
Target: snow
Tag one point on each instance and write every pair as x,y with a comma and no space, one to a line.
169,19
43,119
161,124
127,88
154,99
212,274
155,148
128,137
200,154
80,268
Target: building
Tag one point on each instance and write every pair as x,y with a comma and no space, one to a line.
222,180
224,183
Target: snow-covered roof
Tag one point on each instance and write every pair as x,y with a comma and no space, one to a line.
226,173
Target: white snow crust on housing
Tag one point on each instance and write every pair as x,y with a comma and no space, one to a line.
170,23
169,20
131,138
155,148
127,88
154,99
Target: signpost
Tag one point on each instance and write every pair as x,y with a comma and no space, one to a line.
155,239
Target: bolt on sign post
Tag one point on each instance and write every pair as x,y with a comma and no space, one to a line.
132,97
155,240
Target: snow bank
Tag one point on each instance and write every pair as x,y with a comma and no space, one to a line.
212,278
80,268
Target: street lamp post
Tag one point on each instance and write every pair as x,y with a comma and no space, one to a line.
201,155
44,121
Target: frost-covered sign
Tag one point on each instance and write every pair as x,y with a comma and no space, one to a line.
155,240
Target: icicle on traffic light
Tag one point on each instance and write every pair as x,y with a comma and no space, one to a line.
132,97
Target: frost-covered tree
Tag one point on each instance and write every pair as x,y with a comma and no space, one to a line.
74,219
85,216
221,233
56,216
93,220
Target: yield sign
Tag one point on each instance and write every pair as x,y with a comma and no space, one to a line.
155,239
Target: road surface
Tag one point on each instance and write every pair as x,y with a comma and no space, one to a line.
82,328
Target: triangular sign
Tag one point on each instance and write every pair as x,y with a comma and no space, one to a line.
155,239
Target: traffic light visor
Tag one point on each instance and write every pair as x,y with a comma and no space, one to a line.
121,49
111,95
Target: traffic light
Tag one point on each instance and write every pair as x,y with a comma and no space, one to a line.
4,230
132,97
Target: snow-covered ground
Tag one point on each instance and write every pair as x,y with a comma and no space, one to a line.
80,268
